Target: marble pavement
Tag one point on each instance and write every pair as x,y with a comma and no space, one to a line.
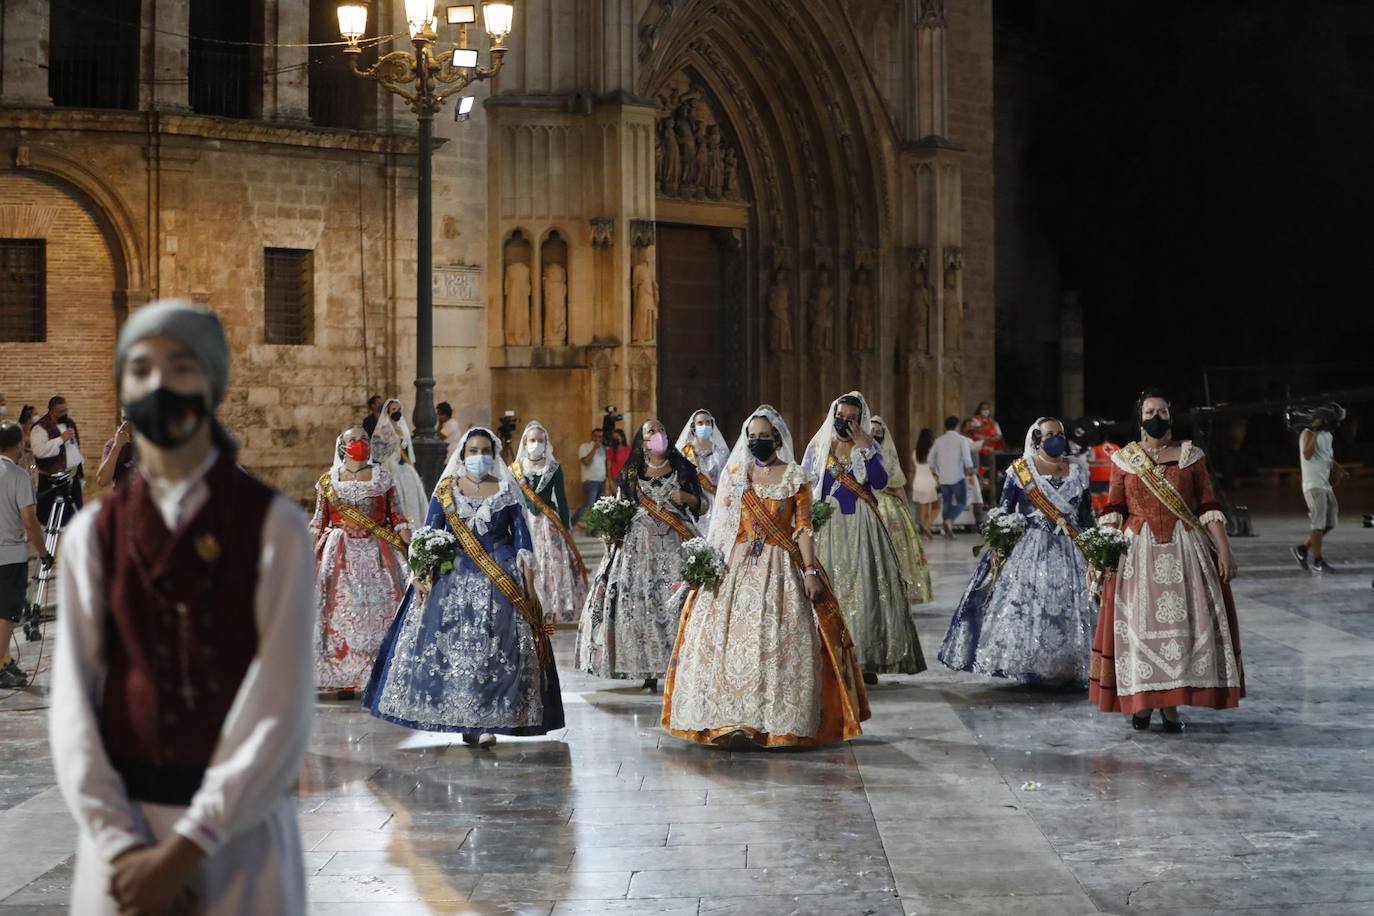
936,810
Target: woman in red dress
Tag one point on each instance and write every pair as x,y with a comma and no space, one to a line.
1167,634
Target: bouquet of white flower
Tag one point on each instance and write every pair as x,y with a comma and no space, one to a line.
702,565
1103,548
1002,528
432,553
610,518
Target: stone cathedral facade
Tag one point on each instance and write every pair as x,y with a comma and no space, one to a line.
657,204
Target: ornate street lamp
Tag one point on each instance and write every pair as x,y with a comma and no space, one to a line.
425,80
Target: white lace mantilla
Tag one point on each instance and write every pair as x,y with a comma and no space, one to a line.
477,511
792,479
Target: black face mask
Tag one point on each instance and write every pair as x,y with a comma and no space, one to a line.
762,449
1157,426
396,416
842,427
165,418
879,437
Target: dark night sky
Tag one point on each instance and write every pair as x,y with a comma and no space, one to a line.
1205,172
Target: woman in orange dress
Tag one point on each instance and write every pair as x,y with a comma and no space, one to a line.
764,657
1167,634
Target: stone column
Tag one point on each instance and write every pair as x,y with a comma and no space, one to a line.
924,110
286,92
165,56
24,77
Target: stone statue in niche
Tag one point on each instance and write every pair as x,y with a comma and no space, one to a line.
954,314
644,299
779,313
703,166
685,127
732,191
916,330
861,315
517,293
822,311
715,164
555,291
671,172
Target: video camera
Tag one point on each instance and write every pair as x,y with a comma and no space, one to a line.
1090,431
609,421
1298,417
506,428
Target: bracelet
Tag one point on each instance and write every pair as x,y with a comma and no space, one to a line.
811,571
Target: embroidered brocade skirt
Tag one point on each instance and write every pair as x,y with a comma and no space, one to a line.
1035,623
562,588
1167,633
464,660
856,551
630,620
751,659
411,492
906,541
360,583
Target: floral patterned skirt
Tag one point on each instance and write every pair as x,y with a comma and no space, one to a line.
557,578
463,659
906,541
1167,633
360,583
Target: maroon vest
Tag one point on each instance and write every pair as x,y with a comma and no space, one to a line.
57,463
180,632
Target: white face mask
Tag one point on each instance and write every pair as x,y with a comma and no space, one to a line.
3,410
535,450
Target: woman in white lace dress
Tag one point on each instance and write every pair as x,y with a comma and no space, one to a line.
630,620
560,577
392,449
764,656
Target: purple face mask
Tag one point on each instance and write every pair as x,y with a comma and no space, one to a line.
658,443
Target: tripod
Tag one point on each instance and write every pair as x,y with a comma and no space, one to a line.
61,485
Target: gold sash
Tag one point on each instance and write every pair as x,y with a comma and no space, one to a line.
1152,475
845,478
1041,501
551,514
666,517
357,519
528,607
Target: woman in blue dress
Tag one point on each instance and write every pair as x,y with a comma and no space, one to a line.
472,655
1035,622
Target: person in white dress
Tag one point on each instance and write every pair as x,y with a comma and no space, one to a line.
182,684
392,449
703,444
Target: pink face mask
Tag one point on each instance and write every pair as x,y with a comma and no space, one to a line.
658,443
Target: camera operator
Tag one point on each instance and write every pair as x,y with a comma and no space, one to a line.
57,447
19,531
1319,471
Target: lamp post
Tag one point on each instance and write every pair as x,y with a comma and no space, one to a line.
425,81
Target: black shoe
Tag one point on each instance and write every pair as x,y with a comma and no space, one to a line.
870,679
12,677
650,685
1174,727
1141,723
1300,554
1320,565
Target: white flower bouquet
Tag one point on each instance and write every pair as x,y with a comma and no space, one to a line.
1002,528
432,553
609,518
1103,548
703,566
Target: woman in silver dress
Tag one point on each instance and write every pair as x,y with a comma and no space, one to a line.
629,623
1033,619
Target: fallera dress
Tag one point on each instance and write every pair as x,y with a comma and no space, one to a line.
560,578
1034,623
462,658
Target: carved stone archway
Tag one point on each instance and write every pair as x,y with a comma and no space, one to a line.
784,87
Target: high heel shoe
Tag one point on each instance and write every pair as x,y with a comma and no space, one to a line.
1172,726
870,679
1141,723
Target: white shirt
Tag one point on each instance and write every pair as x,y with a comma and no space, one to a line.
1316,471
595,469
451,434
951,458
43,447
263,739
